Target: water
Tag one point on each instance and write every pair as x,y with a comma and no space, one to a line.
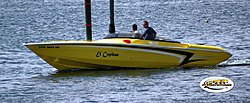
24,77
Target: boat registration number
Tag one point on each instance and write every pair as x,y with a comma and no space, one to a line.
49,47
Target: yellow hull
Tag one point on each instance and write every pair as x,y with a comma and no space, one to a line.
124,52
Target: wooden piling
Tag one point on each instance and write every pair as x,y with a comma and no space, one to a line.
88,29
111,17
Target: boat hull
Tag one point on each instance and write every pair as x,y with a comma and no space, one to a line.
89,55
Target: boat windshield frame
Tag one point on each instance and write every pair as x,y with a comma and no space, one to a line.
123,35
135,36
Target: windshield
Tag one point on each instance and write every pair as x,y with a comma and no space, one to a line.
135,36
123,35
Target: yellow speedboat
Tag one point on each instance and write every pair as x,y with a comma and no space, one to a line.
127,51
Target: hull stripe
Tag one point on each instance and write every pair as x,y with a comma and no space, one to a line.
169,50
181,57
185,61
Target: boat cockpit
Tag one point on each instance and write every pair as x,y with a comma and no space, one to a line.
135,36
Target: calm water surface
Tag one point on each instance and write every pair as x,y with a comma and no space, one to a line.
24,77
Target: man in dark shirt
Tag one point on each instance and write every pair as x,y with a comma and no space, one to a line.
149,33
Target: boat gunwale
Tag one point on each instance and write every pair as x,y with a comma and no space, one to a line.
123,44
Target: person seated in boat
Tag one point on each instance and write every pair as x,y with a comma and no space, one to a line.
149,33
136,32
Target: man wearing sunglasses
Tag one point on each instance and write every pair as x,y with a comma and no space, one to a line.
149,33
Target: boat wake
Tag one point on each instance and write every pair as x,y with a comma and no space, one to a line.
235,62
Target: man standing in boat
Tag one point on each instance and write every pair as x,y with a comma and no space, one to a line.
149,33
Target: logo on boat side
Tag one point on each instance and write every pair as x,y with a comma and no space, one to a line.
106,54
216,84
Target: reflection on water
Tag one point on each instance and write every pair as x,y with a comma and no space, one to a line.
112,72
125,72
